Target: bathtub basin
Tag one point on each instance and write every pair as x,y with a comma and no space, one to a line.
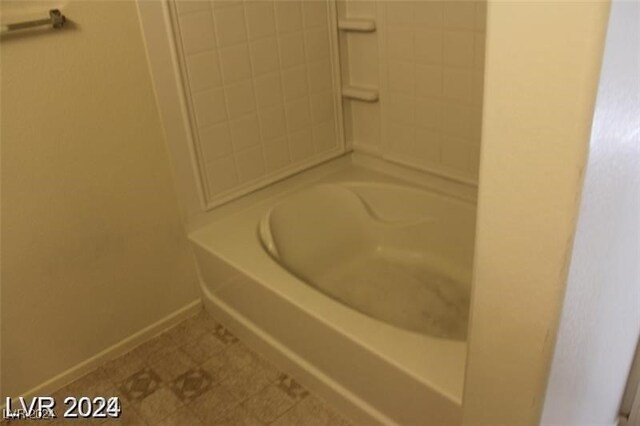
353,281
388,251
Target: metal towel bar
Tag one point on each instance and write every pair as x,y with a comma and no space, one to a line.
56,20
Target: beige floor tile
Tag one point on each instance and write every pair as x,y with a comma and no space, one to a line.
197,373
122,367
203,348
213,404
249,381
269,404
188,330
158,406
182,417
238,416
128,417
155,349
174,364
219,366
311,411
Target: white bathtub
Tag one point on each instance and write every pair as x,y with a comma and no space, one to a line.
353,281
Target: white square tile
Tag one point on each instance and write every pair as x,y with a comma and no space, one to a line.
298,115
428,113
456,154
215,142
402,77
245,132
427,145
324,136
292,49
457,120
429,80
189,6
428,14
230,25
250,164
196,32
321,107
301,144
221,175
268,90
317,45
294,83
264,55
276,154
236,65
272,122
288,16
400,43
401,140
210,107
320,78
457,84
315,13
400,12
260,19
240,99
459,15
203,70
401,109
457,48
428,46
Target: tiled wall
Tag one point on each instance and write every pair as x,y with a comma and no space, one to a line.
434,60
429,65
260,87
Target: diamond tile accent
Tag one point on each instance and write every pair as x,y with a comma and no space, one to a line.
140,385
224,335
191,384
292,388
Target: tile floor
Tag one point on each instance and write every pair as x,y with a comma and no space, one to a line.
197,373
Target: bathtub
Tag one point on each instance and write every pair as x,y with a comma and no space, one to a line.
354,281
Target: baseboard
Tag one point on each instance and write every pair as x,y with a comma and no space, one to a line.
120,348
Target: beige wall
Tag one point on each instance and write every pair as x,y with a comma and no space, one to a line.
93,248
540,89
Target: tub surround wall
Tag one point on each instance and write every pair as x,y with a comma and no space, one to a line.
427,58
260,87
93,248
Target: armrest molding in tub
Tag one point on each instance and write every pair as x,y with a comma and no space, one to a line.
359,25
364,94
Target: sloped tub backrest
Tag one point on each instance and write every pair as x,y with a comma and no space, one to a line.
315,227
